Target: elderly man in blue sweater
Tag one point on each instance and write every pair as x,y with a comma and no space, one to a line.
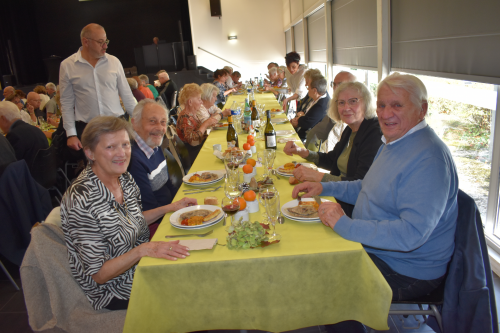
147,163
406,206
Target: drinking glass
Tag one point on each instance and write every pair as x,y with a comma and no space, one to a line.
230,207
270,156
261,157
232,187
272,205
264,192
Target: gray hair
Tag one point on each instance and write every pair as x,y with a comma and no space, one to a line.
163,75
87,30
273,71
366,97
312,74
281,69
137,113
9,110
229,69
410,83
50,85
132,84
144,78
208,91
101,125
319,82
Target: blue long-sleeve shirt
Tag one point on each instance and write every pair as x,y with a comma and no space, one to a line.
406,206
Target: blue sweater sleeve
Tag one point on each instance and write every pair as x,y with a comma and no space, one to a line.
421,198
346,191
140,175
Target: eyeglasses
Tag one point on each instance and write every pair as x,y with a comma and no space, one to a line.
100,43
350,102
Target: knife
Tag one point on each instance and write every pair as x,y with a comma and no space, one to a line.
318,199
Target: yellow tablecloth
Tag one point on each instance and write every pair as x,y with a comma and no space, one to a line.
312,277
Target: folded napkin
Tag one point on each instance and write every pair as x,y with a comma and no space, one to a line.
199,244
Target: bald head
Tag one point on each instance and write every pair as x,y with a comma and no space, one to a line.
89,30
34,99
163,77
9,90
343,77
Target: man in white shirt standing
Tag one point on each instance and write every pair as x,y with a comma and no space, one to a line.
91,84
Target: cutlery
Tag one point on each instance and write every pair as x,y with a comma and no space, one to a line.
187,235
276,174
318,200
202,191
197,189
281,220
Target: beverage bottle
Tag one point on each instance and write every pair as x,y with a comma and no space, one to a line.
255,115
247,116
234,109
261,82
270,133
232,136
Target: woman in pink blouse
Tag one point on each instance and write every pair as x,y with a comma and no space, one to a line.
191,127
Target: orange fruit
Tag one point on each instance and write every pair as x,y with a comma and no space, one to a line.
252,143
246,146
249,195
249,137
243,203
247,168
252,162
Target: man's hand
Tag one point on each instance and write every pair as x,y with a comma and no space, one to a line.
30,108
74,143
329,213
311,189
307,174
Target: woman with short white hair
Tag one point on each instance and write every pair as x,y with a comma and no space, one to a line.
208,107
138,95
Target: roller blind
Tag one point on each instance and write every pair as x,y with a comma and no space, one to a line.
354,25
316,35
298,37
288,40
449,36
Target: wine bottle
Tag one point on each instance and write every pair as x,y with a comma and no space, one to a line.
232,136
270,133
255,117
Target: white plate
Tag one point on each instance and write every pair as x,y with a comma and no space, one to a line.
303,221
295,203
279,120
276,112
215,128
174,218
282,90
285,133
220,173
307,165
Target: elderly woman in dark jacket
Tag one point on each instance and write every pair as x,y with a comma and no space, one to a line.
353,155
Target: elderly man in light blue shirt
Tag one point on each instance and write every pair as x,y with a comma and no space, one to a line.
91,84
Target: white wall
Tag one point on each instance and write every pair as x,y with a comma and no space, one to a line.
258,25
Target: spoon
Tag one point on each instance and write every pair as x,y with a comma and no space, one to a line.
281,220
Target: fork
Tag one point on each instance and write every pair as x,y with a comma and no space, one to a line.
199,235
202,191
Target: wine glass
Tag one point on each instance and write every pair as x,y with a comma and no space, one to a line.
230,164
264,192
230,207
272,204
261,157
270,156
232,187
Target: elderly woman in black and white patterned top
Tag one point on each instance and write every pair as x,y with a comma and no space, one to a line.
104,226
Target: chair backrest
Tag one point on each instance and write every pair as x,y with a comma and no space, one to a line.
173,101
44,168
175,172
183,153
169,144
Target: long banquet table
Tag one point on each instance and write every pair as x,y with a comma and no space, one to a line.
312,277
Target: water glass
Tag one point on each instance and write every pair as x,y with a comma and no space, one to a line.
272,204
264,192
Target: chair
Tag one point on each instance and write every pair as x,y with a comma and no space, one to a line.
175,172
465,302
53,298
8,276
183,153
173,114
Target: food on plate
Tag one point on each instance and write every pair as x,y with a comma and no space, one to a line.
288,168
247,168
243,203
233,150
211,201
305,209
197,212
212,215
293,181
249,195
203,178
218,125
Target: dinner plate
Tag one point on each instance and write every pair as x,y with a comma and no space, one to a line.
304,221
307,165
174,218
281,90
295,203
215,128
285,132
276,112
279,120
220,174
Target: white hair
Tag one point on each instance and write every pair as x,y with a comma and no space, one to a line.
50,85
208,91
132,83
163,75
9,110
229,69
144,78
273,71
137,113
410,83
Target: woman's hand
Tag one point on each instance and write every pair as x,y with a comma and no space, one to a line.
184,202
311,189
291,148
285,104
300,114
166,250
208,123
294,122
307,174
226,113
329,213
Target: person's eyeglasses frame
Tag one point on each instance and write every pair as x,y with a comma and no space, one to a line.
350,102
98,42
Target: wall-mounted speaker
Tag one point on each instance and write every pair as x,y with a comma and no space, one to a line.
215,9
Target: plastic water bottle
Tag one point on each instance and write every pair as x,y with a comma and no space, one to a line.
235,111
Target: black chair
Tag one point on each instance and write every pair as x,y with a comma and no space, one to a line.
174,169
44,170
468,286
173,114
184,153
173,101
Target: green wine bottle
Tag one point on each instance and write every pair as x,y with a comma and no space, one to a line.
232,136
270,133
